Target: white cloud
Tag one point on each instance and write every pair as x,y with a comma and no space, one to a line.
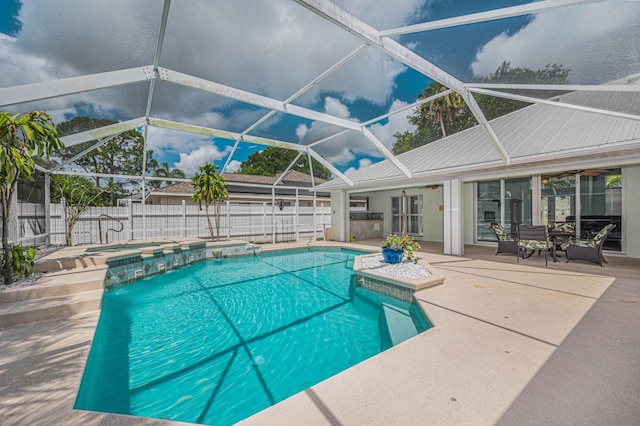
333,106
272,48
396,123
301,130
233,166
160,140
593,41
365,162
189,162
344,149
383,15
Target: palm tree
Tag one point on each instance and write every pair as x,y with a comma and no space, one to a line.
166,172
210,187
442,108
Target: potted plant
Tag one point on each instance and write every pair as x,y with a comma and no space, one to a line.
396,245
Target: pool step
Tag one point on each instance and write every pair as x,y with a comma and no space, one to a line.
56,262
396,325
56,295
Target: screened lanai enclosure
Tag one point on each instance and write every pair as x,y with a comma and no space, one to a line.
173,84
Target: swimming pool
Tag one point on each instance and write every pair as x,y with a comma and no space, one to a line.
220,340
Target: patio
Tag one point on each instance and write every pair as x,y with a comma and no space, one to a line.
508,347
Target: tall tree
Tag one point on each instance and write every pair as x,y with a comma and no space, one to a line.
210,187
494,107
122,155
21,137
272,160
452,115
163,170
447,108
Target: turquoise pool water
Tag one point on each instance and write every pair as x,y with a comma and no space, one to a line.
220,340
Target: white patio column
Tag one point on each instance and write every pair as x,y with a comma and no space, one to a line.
453,230
47,207
339,215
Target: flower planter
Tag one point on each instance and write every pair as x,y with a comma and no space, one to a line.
392,255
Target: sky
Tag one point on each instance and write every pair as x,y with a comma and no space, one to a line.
274,48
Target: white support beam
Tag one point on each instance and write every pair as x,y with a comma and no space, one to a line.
102,175
327,72
384,151
102,132
556,103
230,156
156,56
86,151
330,166
313,185
287,170
41,169
157,122
335,135
69,86
507,12
558,87
413,105
484,123
252,98
370,35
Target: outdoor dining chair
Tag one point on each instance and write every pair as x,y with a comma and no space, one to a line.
589,250
533,237
506,242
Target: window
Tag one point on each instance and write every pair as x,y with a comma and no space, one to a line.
558,198
517,203
414,219
601,204
409,217
396,213
488,209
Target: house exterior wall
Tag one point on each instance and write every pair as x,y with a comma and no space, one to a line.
432,212
433,230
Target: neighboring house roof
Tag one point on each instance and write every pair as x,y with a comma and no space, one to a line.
535,136
290,181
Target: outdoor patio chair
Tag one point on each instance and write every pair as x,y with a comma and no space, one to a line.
589,250
534,237
506,243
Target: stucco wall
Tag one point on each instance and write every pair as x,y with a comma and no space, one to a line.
433,217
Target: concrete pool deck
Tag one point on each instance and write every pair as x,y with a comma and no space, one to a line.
512,344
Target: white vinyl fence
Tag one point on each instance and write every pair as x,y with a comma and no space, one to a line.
250,222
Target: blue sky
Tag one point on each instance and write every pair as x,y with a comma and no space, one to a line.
274,48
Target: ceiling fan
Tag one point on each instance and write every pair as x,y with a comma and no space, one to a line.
586,172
